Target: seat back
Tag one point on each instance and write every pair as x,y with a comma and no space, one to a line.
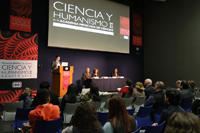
120,95
158,112
127,95
102,117
60,99
186,104
9,110
70,108
128,101
53,126
139,101
96,105
138,130
21,117
197,95
143,117
104,98
155,129
131,111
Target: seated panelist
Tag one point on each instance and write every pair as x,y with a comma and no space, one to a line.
86,75
115,73
95,73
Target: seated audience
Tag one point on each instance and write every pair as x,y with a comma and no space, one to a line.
149,88
172,98
26,97
85,120
127,89
178,84
53,97
181,122
70,97
119,121
138,91
95,73
185,92
45,111
92,95
191,85
156,99
195,105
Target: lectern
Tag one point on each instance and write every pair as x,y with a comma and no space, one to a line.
62,78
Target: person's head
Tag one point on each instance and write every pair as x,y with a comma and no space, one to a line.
27,91
57,57
117,111
88,70
191,83
43,96
115,70
178,83
181,122
172,96
184,84
128,82
139,86
147,82
72,89
85,118
159,85
95,70
45,85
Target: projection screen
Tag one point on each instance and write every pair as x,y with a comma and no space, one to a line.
98,25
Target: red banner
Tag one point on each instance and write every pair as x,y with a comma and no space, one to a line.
137,29
66,79
20,15
124,26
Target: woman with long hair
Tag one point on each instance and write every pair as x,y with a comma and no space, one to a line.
70,97
127,89
138,91
119,121
85,120
93,95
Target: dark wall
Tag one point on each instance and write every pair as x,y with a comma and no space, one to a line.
171,41
129,65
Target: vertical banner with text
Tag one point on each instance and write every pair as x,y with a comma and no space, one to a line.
18,64
20,15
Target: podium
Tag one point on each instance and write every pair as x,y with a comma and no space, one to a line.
62,78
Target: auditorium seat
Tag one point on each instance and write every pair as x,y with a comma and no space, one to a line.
186,104
128,102
96,105
158,112
139,102
69,111
137,131
155,129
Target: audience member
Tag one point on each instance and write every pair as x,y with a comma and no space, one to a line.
156,99
92,95
138,91
45,111
191,85
53,97
172,98
115,73
70,97
185,92
26,97
149,88
127,89
85,120
195,105
178,84
119,121
95,73
183,123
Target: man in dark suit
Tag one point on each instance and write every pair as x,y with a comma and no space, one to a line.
149,88
56,63
86,75
53,97
115,74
